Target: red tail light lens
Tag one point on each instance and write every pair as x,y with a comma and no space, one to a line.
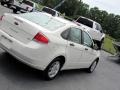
39,37
1,17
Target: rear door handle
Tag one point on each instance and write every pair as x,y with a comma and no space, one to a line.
16,23
71,44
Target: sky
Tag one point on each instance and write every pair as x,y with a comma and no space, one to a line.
111,6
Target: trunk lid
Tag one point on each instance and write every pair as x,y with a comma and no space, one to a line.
19,28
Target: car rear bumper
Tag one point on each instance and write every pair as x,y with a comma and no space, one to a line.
28,54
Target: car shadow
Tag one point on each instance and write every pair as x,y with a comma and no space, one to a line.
114,59
15,70
21,75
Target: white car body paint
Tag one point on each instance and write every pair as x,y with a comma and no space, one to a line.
18,41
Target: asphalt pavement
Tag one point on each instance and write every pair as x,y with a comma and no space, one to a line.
17,76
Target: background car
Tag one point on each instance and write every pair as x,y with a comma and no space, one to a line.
47,43
93,28
51,11
7,2
23,6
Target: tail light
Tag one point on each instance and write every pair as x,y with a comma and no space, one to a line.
39,37
1,17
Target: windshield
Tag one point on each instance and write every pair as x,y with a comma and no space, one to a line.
43,20
85,22
48,10
27,2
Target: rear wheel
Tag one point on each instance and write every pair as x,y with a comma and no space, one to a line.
92,66
52,70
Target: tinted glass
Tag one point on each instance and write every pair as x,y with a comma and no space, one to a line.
87,41
48,10
75,35
65,34
27,2
85,22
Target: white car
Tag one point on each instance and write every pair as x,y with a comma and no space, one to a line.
23,6
93,28
47,43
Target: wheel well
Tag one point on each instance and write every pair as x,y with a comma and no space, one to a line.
97,59
62,60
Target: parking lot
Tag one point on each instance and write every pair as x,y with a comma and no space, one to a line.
17,76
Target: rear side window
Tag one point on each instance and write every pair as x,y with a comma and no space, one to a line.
85,22
75,35
27,2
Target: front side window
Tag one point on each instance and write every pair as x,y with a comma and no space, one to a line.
87,41
75,35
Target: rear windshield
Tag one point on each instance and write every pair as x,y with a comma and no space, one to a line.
43,20
50,11
85,22
27,2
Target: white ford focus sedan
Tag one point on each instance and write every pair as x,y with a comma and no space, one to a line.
47,43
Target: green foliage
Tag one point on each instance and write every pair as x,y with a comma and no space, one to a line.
108,45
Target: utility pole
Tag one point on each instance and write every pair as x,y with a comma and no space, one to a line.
59,4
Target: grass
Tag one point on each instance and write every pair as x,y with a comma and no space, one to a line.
108,46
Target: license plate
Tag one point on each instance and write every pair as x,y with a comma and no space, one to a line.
6,42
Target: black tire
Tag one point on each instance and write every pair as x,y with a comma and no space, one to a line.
2,3
15,10
100,43
47,71
92,66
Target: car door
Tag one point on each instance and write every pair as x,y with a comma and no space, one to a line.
89,54
74,49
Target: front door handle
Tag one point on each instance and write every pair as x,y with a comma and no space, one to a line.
71,44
